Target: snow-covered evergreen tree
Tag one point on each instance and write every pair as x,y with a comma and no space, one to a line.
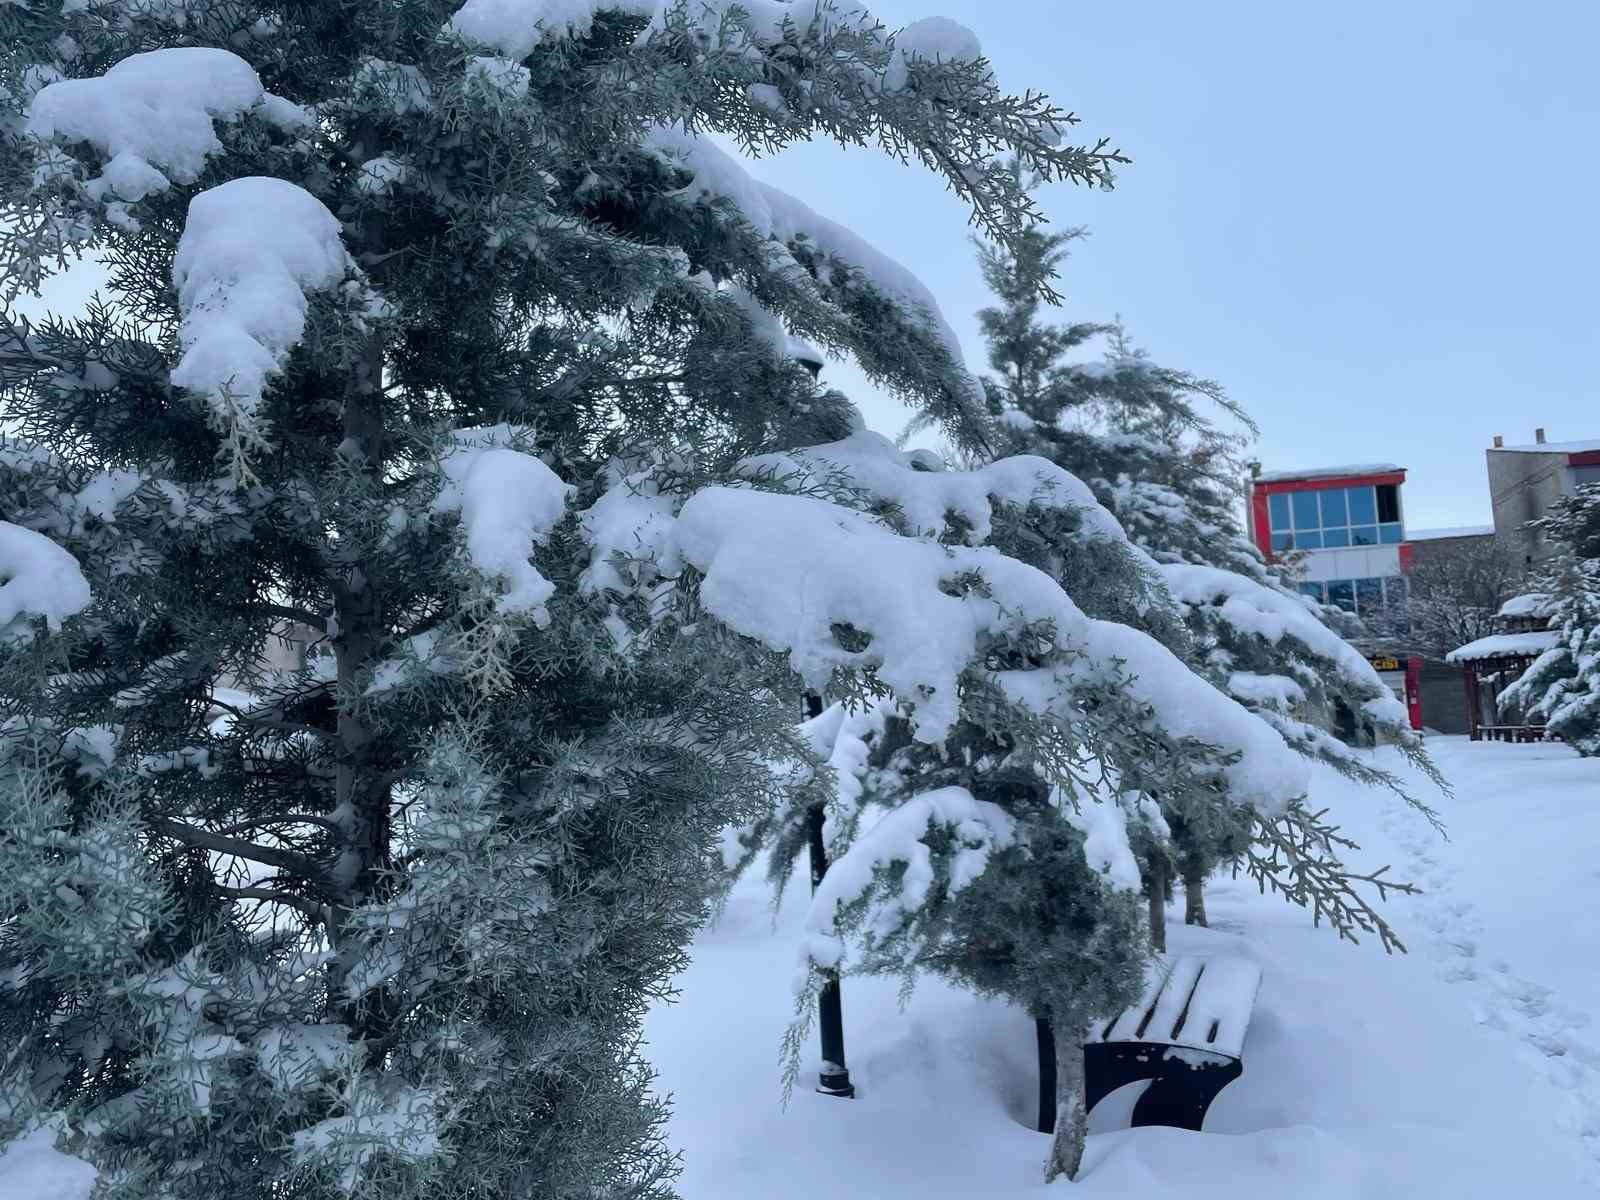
431,325
994,846
1562,685
1144,438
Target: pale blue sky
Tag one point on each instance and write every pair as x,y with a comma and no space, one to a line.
1374,222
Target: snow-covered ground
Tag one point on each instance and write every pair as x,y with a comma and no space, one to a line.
1469,1068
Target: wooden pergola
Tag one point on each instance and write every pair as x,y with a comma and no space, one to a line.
1489,666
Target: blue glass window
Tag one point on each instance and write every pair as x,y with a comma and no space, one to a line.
1333,518
1343,593
1314,590
1369,596
1305,511
1278,505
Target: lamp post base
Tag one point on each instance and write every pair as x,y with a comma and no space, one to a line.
834,1080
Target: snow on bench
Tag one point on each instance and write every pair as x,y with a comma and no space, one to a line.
1185,1034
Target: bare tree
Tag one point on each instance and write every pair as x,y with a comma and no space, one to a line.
1456,591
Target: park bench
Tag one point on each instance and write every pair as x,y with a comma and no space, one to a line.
1185,1034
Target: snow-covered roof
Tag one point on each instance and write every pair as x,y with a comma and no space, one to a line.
1553,447
1533,604
1450,531
1329,472
1504,645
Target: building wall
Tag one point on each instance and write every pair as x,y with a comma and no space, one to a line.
1361,562
1523,484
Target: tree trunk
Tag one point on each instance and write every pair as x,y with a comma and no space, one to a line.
1158,883
1194,896
361,791
1072,1115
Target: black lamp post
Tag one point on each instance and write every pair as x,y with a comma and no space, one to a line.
835,1077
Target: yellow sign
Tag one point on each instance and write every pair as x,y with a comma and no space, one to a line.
1384,662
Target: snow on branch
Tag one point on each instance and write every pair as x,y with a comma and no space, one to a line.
1256,611
150,117
927,499
840,737
978,826
251,250
516,27
37,579
508,502
774,213
793,571
402,1123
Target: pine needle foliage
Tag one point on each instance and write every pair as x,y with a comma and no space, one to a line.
347,833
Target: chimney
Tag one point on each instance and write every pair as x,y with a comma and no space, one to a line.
1538,436
1499,442
1255,468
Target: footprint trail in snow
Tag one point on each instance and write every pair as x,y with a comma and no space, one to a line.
1556,1040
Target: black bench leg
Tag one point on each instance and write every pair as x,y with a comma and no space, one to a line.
1110,1065
1181,1094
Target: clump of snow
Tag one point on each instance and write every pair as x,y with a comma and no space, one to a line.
105,493
195,758
297,1056
285,114
872,463
380,176
508,502
31,1168
401,87
500,75
251,249
38,579
150,116
1273,691
933,38
93,748
516,27
1103,821
840,736
787,569
632,527
981,827
1533,604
